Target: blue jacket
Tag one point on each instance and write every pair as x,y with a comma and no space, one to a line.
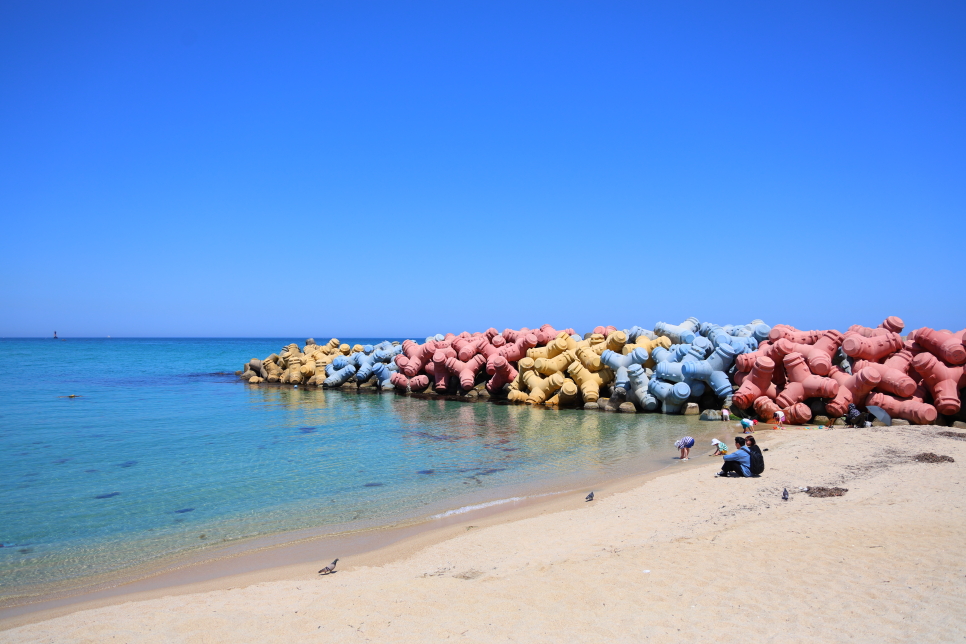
743,456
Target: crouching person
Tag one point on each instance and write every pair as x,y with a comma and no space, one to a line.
738,462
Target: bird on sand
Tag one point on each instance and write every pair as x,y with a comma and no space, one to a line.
785,494
590,497
329,568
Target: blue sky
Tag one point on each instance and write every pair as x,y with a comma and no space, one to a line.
388,169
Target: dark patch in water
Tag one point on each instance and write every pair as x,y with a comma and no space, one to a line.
25,551
179,520
107,496
426,472
307,430
443,437
61,460
373,485
492,470
183,510
128,464
24,454
261,447
90,471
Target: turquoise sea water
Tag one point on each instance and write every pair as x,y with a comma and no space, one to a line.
166,452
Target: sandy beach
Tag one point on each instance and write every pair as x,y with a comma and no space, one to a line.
680,556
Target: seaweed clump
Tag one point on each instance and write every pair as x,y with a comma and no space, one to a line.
929,457
825,492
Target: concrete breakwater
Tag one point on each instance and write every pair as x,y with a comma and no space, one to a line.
752,370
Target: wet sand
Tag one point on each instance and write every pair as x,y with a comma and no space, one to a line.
673,556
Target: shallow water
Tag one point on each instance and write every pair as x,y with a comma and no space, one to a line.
165,451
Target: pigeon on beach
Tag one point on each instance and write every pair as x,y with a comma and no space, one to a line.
329,568
785,494
590,497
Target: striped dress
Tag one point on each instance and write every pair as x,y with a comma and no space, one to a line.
683,442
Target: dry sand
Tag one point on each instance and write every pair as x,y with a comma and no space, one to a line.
679,557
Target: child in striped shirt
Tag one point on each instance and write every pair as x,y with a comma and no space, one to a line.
684,444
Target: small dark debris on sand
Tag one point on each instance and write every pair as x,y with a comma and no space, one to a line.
929,457
960,435
825,492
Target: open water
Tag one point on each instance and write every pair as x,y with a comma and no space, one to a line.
165,452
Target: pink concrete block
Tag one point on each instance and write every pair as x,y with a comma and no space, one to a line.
912,409
419,356
511,335
817,356
418,383
545,334
893,323
852,389
515,350
902,360
803,384
466,348
465,371
944,345
873,348
401,382
503,372
440,373
891,380
944,382
780,331
797,414
757,383
746,361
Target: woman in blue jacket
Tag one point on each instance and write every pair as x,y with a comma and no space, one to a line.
738,462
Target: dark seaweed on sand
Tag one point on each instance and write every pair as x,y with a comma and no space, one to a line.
825,492
929,457
960,435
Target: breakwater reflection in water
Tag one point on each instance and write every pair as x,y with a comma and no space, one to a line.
149,462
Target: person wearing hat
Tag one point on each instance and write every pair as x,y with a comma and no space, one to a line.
719,447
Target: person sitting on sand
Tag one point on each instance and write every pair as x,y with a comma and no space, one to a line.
752,446
854,417
739,462
685,443
719,447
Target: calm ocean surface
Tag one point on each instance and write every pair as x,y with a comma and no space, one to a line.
166,452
